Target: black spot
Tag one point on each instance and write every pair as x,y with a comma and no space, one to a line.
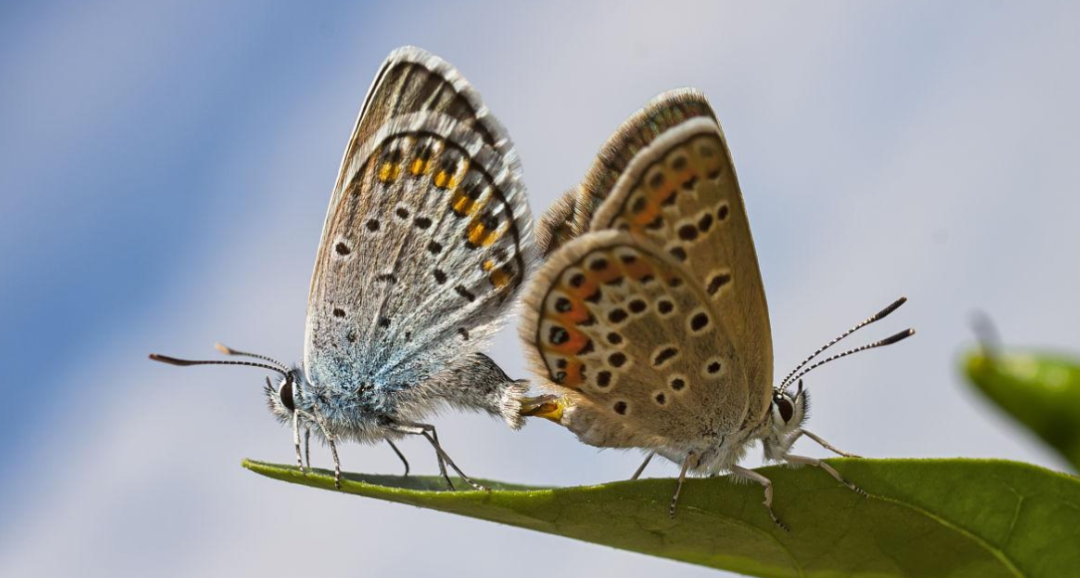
664,355
705,223
678,252
670,200
722,212
717,282
402,212
373,225
661,398
422,222
562,305
690,183
587,348
656,223
351,337
657,180
614,338
440,277
664,306
714,174
384,322
598,265
561,363
603,379
637,306
617,359
706,152
464,333
559,377
489,221
474,187
713,367
617,315
679,163
629,259
645,280
465,293
434,248
620,407
557,335
589,321
577,280
688,232
699,321
675,282
339,312
408,336
595,297
342,249
678,383
387,277
639,205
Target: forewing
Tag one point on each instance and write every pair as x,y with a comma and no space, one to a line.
556,226
615,320
660,114
420,257
414,80
681,194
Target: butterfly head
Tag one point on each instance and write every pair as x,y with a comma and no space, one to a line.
789,412
282,398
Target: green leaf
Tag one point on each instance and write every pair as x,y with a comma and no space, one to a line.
954,518
1040,391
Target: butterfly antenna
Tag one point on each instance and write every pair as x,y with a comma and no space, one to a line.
189,362
887,341
230,351
876,317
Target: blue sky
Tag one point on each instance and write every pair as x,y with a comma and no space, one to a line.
166,172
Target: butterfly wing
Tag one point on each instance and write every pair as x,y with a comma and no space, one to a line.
556,226
633,338
660,114
428,234
680,192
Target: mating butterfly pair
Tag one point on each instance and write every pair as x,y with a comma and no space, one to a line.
647,318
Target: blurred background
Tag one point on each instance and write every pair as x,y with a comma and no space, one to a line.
165,173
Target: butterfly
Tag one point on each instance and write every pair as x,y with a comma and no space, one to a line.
426,243
648,318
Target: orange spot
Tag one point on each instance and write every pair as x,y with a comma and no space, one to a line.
499,278
442,180
420,166
638,270
573,374
389,172
574,342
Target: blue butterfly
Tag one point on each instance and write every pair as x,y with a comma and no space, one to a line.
426,243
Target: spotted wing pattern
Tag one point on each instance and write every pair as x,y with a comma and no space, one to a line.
681,194
660,114
428,235
628,330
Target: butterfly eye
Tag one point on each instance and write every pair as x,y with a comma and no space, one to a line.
286,394
787,410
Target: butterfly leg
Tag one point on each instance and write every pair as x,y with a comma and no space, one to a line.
756,477
643,465
808,461
690,457
296,442
307,447
400,455
823,444
329,441
427,430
